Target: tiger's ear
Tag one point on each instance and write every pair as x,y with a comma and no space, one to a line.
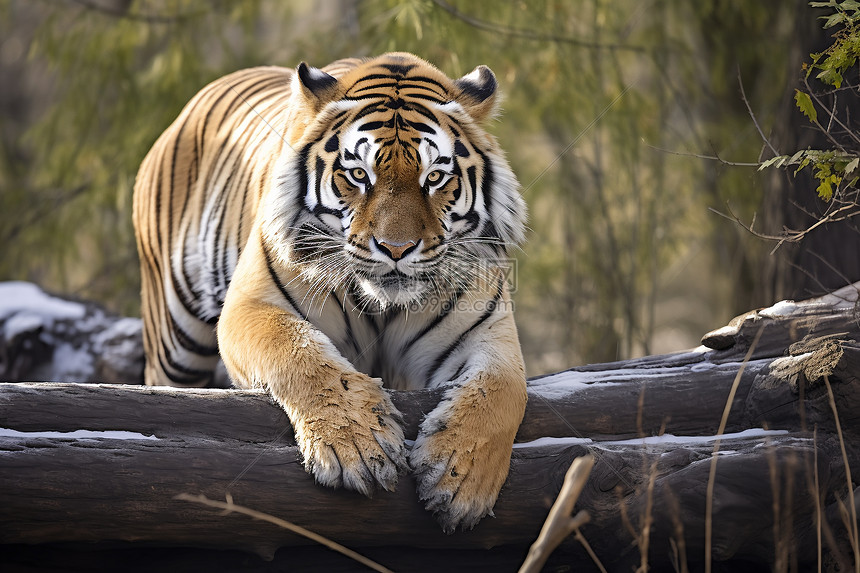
477,93
317,87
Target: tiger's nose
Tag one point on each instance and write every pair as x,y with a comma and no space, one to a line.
393,249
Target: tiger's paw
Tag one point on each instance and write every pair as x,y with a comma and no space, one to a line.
459,475
353,438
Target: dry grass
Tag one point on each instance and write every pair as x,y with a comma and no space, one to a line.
852,526
709,495
230,507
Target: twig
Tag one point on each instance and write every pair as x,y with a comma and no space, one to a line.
824,130
701,156
559,523
709,496
229,506
752,115
790,235
833,117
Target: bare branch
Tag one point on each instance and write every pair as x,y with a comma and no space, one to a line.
529,34
791,235
559,523
833,117
700,156
752,115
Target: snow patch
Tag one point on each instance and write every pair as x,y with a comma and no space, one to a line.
18,297
703,367
571,381
121,337
547,441
782,308
665,439
77,434
673,439
71,364
21,323
724,331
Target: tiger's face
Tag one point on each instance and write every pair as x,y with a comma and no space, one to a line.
393,187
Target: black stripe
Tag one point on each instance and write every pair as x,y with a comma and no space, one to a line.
301,166
186,288
367,110
281,286
460,369
319,168
487,182
350,336
446,354
391,84
339,120
424,79
446,310
188,343
372,125
424,111
367,96
333,143
418,126
399,69
188,377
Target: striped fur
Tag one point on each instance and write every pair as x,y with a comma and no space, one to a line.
343,228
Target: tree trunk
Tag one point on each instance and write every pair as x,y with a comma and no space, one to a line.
826,259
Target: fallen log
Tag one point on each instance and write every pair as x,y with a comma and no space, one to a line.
90,472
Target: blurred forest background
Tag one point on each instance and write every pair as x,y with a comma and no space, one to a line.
609,108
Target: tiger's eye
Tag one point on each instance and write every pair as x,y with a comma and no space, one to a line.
358,174
434,177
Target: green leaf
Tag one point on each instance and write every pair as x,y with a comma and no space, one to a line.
804,104
832,77
796,157
825,190
777,161
834,19
852,165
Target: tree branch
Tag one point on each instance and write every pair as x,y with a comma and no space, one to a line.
529,34
124,14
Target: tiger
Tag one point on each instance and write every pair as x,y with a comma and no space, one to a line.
331,232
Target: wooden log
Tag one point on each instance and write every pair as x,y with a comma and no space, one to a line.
97,489
216,442
788,322
117,491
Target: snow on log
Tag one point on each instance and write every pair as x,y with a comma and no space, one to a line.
98,466
43,337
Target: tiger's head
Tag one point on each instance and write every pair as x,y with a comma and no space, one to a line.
390,184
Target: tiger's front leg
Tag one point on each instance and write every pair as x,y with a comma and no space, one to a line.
462,455
346,426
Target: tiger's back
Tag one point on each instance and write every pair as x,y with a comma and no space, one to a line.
195,199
